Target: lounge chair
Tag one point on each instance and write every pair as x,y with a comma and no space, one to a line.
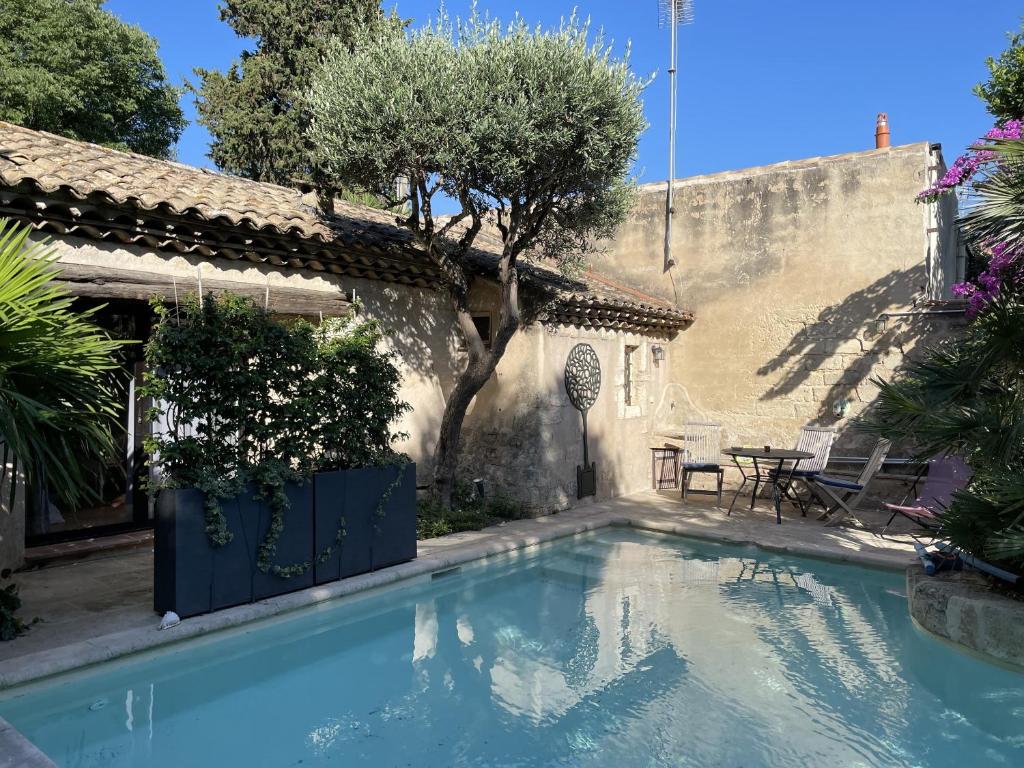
946,475
702,453
841,496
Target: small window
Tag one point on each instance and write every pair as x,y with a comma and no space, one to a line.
627,376
483,327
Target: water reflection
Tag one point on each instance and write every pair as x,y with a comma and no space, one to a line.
806,668
617,649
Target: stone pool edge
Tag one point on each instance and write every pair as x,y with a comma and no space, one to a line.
438,556
18,752
963,610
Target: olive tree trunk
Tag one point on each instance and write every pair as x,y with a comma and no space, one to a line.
479,369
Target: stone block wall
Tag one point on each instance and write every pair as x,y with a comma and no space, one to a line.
808,279
523,435
965,609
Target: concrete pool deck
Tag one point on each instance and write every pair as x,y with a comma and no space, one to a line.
100,608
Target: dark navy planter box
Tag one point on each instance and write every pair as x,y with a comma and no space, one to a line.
192,577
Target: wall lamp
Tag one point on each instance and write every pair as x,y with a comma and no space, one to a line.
840,408
657,354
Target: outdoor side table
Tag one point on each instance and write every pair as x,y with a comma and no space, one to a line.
768,470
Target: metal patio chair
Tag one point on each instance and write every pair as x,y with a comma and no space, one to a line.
702,453
841,496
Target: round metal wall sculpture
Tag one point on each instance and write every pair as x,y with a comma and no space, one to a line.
583,377
583,385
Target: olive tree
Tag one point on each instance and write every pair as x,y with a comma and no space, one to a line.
526,132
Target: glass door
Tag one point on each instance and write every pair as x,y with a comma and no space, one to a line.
119,501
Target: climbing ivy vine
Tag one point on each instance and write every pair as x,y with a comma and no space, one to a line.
243,399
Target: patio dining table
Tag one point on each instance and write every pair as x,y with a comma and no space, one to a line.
769,469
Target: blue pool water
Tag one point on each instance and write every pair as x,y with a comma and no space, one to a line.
613,649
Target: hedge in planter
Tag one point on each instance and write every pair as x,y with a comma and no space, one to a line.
248,411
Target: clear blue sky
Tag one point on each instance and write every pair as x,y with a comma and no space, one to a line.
760,81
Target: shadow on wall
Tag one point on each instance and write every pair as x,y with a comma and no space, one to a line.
849,343
513,439
430,355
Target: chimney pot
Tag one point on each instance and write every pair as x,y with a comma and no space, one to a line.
882,131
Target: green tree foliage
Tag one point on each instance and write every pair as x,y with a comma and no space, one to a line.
247,398
530,132
257,111
1004,91
72,68
966,395
59,383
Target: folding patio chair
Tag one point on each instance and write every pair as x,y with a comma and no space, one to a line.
946,475
843,496
816,440
702,452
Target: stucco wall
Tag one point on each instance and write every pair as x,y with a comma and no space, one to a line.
521,433
524,434
790,270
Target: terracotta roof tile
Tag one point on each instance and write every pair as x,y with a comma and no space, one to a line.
55,165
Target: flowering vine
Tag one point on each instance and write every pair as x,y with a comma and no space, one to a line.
966,166
1005,265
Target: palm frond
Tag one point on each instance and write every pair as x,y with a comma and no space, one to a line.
59,382
996,211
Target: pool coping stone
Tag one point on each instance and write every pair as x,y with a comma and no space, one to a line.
18,752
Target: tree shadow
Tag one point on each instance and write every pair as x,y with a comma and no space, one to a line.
852,341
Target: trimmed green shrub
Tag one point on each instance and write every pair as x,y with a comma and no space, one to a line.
247,398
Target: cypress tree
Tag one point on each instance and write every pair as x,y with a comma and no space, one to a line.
257,112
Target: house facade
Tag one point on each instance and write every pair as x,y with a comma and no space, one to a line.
808,279
127,228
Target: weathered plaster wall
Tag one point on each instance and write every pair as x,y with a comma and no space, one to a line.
521,434
789,270
525,436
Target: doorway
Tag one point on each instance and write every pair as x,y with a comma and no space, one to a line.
119,501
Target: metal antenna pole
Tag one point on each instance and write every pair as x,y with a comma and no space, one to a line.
671,209
672,13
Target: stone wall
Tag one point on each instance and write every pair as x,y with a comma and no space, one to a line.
799,275
964,609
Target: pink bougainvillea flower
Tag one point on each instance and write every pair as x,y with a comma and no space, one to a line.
966,166
1005,268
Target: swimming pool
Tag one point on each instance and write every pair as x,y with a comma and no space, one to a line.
617,648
